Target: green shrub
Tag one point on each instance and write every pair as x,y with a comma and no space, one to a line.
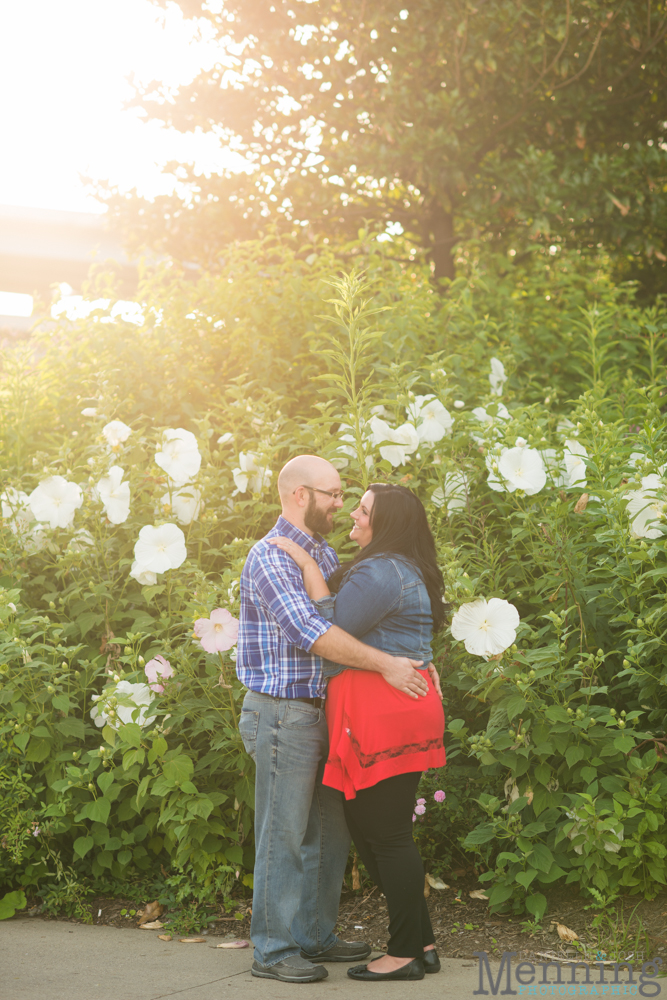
547,778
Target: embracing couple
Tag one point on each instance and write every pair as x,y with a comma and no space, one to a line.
324,777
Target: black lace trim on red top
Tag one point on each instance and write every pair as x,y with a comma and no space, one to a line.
369,759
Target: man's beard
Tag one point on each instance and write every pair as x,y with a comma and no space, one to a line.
316,519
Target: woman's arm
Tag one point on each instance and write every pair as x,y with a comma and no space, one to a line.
313,581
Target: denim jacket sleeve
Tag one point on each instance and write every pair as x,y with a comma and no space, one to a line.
367,595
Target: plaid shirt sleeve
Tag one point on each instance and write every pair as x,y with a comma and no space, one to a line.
279,585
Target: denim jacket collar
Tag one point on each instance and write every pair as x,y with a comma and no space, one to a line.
308,542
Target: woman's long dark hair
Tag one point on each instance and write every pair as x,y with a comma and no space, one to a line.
400,527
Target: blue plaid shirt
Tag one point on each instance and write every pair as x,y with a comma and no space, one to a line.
278,623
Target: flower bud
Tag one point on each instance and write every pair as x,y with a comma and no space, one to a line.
141,661
626,663
621,724
52,605
640,623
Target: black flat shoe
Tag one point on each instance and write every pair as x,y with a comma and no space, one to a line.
431,961
412,971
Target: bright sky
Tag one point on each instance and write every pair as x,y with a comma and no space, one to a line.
63,79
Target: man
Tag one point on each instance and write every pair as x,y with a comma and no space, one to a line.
302,841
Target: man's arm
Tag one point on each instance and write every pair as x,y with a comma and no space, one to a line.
398,671
279,583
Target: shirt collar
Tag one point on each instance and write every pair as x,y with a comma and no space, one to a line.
308,542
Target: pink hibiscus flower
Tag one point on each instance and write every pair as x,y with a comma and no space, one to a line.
158,669
219,632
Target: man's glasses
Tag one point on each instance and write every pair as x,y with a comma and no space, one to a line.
334,494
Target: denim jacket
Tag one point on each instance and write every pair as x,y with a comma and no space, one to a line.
384,603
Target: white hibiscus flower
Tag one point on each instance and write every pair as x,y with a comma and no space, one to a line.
179,457
491,422
454,492
160,548
132,704
55,500
497,377
553,466
646,508
115,495
395,443
144,577
16,511
522,469
81,541
116,433
185,503
433,420
575,467
487,628
249,476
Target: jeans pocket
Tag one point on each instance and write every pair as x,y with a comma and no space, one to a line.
248,725
300,716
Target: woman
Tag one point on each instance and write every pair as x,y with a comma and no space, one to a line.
390,597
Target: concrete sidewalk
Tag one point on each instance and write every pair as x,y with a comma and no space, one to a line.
54,960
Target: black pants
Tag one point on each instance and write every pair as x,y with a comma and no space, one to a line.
380,821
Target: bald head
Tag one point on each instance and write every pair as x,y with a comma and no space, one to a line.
305,485
306,470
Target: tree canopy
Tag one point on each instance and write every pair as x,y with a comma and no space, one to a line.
511,121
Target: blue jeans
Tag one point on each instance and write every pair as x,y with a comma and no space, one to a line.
301,837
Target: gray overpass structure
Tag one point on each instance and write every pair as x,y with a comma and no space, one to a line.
41,247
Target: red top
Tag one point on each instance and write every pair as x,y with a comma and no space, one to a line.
376,731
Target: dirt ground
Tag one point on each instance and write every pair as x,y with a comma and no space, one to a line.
462,925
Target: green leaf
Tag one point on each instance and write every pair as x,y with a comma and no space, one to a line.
574,754
543,774
201,807
525,878
98,811
514,706
131,757
105,780
61,702
482,834
142,790
131,733
11,902
499,893
72,727
88,620
21,740
178,769
541,857
554,873
109,735
537,905
234,854
124,857
38,750
82,845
